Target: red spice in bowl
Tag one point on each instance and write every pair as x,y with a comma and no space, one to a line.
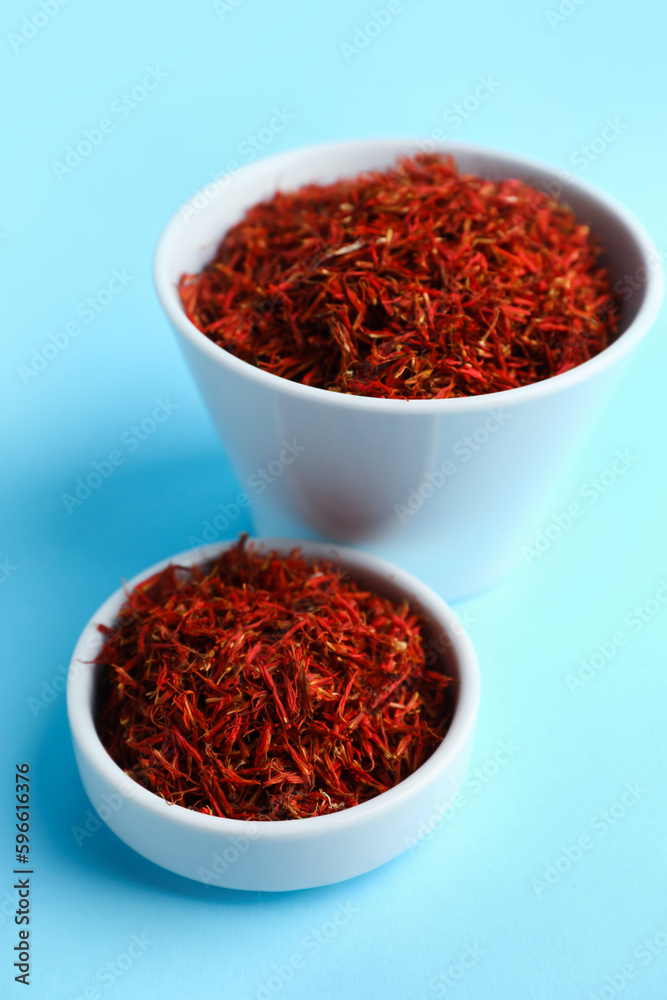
411,283
262,686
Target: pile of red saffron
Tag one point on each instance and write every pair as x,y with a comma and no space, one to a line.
268,687
412,283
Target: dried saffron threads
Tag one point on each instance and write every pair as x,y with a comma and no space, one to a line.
262,686
416,282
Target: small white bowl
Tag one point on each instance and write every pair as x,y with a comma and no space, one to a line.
276,856
467,477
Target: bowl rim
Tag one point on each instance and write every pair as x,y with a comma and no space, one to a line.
86,740
176,231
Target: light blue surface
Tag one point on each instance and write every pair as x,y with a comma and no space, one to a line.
471,890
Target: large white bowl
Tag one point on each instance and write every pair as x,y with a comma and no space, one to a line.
461,479
284,854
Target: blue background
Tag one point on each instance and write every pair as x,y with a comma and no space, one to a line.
479,882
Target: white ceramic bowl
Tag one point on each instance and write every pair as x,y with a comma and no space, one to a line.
285,854
464,477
